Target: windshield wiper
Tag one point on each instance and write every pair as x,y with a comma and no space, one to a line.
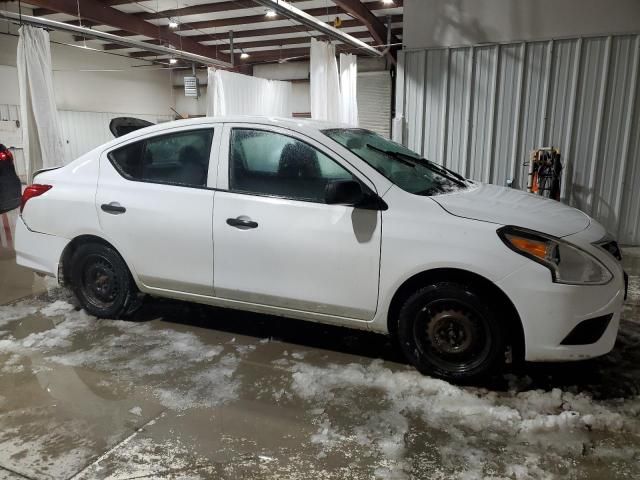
392,154
413,161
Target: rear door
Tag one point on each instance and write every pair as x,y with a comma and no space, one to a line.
276,242
155,205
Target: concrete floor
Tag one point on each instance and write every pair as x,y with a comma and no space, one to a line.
192,392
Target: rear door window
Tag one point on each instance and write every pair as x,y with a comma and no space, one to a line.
180,158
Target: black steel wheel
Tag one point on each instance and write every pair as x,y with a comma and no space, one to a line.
101,281
450,330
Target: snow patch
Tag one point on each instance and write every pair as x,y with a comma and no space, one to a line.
136,411
59,307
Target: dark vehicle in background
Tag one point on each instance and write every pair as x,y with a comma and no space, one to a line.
10,187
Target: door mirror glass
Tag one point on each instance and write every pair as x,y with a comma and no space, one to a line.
350,192
344,192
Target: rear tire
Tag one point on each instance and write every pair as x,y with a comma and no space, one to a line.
452,331
102,282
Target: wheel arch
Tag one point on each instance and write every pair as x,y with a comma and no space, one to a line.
84,239
413,283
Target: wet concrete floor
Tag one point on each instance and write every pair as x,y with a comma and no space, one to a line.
185,391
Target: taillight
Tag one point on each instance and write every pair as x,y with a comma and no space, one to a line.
33,191
6,155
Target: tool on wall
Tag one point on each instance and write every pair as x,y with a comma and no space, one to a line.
545,172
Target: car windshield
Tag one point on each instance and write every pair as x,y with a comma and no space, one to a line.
400,165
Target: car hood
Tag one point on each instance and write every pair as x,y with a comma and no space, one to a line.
507,206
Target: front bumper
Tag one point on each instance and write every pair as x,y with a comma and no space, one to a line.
38,251
551,313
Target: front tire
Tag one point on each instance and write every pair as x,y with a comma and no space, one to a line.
452,331
101,281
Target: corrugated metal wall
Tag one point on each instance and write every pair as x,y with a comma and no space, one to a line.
481,110
81,131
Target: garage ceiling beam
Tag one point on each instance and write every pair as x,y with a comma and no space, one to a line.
362,12
247,4
220,7
224,37
252,33
276,42
100,12
176,12
245,20
65,27
266,55
201,9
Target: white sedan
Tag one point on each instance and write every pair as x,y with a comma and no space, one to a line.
326,223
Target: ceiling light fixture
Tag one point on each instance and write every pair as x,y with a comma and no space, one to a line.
173,61
173,24
270,13
244,55
387,2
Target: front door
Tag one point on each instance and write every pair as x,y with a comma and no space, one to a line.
276,242
155,206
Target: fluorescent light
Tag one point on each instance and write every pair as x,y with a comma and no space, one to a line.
287,10
173,24
271,13
387,2
173,61
244,55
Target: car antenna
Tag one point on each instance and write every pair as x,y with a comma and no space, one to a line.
182,117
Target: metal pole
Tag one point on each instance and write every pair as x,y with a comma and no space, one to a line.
231,48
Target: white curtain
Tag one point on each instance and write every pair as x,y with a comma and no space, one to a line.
231,93
348,89
39,116
324,82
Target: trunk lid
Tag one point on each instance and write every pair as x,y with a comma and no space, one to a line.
122,125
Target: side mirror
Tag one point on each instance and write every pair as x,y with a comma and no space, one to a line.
350,192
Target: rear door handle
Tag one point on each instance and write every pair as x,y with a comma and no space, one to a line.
113,208
242,223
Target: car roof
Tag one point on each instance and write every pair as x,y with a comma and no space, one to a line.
293,123
302,125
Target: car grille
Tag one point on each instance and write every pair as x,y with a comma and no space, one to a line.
613,248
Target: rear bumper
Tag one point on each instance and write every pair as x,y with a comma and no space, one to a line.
38,251
550,312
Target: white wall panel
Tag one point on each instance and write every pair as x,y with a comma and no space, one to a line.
374,102
481,110
83,131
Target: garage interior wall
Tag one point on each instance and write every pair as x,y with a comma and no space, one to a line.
480,110
91,88
373,90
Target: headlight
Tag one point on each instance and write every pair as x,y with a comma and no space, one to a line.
567,263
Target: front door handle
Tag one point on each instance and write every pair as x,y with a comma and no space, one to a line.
242,223
113,208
